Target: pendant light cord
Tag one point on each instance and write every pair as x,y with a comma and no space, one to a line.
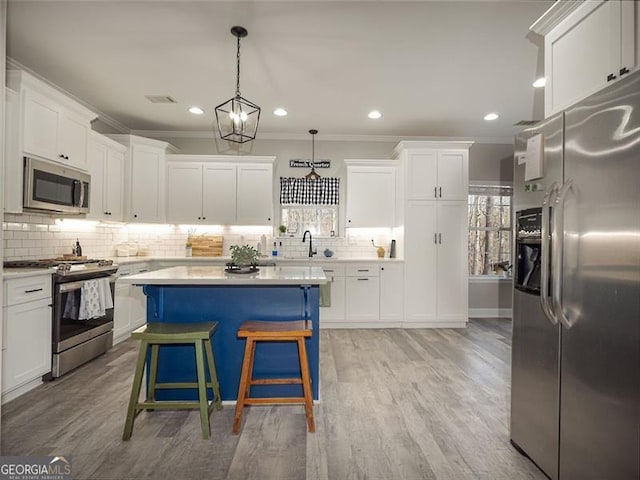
238,70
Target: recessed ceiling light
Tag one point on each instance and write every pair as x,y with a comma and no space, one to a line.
196,110
374,114
540,82
491,116
280,112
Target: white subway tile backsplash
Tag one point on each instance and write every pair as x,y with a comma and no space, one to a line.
38,236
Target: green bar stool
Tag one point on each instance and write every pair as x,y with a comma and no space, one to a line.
156,334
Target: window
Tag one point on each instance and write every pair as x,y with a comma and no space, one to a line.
310,204
320,220
489,229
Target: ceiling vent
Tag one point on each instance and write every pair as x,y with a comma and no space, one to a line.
160,99
525,123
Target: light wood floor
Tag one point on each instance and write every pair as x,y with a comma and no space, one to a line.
396,404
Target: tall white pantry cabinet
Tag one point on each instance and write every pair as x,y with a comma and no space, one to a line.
434,196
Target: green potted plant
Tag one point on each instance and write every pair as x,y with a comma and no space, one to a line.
283,229
244,255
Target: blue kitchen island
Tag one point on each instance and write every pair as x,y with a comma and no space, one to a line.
207,293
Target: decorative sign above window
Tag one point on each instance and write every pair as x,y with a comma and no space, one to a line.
299,163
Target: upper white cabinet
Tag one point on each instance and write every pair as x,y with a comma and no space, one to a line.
435,171
105,160
254,194
51,125
219,190
371,193
144,178
587,45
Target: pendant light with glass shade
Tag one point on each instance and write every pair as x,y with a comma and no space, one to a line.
237,118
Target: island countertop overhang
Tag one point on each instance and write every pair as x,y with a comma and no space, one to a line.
216,275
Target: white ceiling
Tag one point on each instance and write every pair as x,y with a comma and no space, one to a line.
432,68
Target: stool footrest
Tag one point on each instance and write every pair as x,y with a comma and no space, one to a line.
276,381
178,385
170,405
273,400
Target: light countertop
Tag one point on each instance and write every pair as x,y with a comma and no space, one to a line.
215,275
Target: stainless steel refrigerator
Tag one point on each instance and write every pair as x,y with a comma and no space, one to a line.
575,394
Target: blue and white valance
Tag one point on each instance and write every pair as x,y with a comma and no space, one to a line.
308,191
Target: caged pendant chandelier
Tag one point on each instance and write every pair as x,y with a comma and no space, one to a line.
237,118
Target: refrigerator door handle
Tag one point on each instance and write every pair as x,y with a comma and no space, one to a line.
549,199
556,292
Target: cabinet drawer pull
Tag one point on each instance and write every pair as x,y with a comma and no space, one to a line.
440,188
440,238
610,77
363,270
34,290
435,238
328,271
363,279
623,71
143,270
435,192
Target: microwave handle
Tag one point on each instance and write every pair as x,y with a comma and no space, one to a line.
83,193
76,193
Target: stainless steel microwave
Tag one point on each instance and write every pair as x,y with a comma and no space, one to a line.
55,188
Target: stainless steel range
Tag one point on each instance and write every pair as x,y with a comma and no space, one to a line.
80,331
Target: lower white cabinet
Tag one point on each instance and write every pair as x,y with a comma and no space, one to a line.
130,305
337,282
363,293
391,293
26,339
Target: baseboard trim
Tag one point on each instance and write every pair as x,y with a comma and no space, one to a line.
21,390
454,324
490,313
339,324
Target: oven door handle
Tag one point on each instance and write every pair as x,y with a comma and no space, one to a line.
71,286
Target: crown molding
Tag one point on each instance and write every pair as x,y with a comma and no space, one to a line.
554,15
103,117
327,137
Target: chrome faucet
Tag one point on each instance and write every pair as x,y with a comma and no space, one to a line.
312,252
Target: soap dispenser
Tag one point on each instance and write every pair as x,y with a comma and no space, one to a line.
78,249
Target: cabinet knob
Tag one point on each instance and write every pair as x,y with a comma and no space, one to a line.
610,77
199,218
269,219
348,221
204,218
135,215
381,268
623,71
61,156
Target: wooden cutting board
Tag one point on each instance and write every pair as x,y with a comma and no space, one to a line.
206,245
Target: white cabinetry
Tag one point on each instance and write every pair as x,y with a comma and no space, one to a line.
52,125
391,293
335,273
435,172
254,194
588,45
105,160
362,293
435,233
217,190
26,339
130,305
145,178
371,193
